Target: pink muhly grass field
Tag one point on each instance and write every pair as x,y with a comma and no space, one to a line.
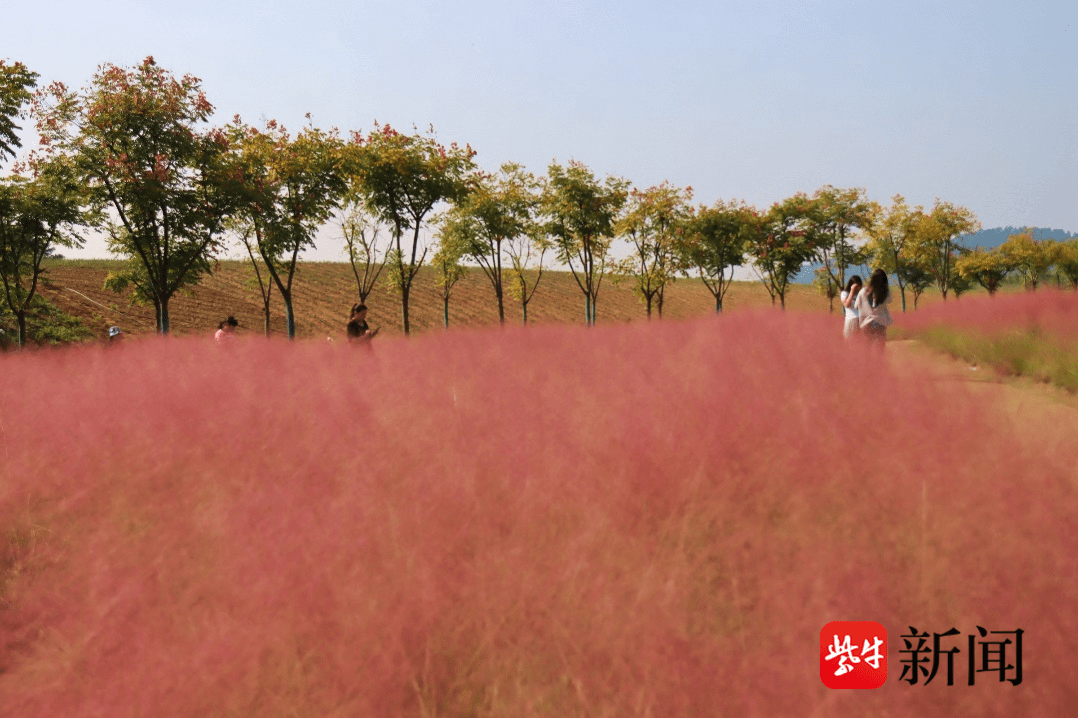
653,519
1050,310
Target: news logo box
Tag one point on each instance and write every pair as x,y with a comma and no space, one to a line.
853,654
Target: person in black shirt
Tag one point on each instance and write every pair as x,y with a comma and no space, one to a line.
357,329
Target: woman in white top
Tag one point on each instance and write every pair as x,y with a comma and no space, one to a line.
848,296
872,310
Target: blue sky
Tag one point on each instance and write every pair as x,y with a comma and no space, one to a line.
973,102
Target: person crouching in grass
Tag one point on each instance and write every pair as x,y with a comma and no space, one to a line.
872,311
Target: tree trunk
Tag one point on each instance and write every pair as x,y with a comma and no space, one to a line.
445,312
718,304
289,316
501,305
21,317
404,309
163,319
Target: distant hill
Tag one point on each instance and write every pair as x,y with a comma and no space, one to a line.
986,238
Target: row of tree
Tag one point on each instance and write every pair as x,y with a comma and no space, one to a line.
133,155
921,249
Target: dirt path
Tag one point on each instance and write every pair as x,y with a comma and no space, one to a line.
1043,417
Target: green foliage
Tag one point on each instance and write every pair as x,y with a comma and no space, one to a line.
16,83
781,241
290,186
838,215
582,215
137,138
823,281
1027,352
987,268
46,324
446,261
1030,258
1067,261
37,214
936,246
713,241
495,210
891,240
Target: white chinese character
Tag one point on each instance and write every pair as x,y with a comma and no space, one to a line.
843,651
874,658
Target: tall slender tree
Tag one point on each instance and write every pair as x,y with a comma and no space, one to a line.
581,215
496,209
362,242
37,213
291,186
780,242
891,241
525,251
1029,257
938,241
714,243
839,216
446,261
402,178
653,223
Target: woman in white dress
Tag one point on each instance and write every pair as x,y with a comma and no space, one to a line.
848,296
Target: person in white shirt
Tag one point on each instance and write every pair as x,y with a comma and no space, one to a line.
848,296
872,311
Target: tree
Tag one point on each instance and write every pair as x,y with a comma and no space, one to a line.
291,186
37,214
265,286
987,268
447,261
823,281
838,215
714,241
891,240
16,83
781,242
496,210
918,278
653,224
522,251
1067,261
936,241
138,139
582,214
402,178
361,232
1030,258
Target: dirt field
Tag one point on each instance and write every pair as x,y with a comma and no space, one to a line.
324,291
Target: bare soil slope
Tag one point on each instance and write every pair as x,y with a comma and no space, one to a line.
324,291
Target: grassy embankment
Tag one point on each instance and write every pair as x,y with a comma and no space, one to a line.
1028,334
